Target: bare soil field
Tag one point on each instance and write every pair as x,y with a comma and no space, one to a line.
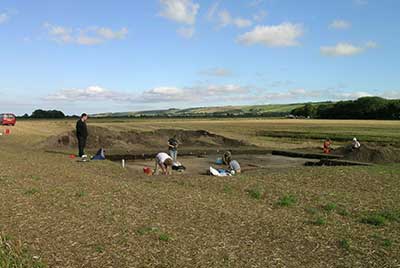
278,213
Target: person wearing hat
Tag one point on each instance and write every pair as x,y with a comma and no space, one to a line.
355,145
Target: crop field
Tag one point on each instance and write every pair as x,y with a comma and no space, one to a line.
57,212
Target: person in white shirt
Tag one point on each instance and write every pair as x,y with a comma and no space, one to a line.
355,145
163,160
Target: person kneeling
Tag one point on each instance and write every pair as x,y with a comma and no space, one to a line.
163,161
235,167
355,144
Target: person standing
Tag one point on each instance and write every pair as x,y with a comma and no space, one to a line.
173,148
82,134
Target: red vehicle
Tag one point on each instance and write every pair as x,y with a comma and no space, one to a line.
8,119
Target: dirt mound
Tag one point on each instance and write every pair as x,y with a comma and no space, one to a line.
371,154
99,137
145,141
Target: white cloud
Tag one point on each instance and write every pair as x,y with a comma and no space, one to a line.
92,93
347,49
351,95
186,32
260,16
218,72
371,44
165,94
212,10
282,35
182,11
256,3
216,90
225,19
202,93
291,95
340,25
393,94
87,36
341,49
4,17
107,33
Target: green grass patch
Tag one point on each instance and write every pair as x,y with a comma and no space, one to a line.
80,194
164,238
227,189
31,191
390,215
374,219
329,207
319,221
344,244
35,178
343,212
344,136
99,249
381,218
387,243
146,230
287,201
15,255
255,193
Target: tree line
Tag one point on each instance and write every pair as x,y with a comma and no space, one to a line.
45,114
362,108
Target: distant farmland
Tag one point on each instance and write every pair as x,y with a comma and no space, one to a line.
270,109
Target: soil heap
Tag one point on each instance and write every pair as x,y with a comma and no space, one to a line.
143,141
371,154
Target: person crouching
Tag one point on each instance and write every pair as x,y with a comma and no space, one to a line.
355,144
327,147
235,167
163,161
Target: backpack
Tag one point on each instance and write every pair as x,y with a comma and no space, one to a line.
100,155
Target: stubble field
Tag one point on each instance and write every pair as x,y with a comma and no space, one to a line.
65,213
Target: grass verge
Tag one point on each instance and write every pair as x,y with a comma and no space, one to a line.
15,255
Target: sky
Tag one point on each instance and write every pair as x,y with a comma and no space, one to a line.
129,55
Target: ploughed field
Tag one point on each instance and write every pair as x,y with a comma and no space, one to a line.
58,212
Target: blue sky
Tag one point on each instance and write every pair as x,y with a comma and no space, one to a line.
125,55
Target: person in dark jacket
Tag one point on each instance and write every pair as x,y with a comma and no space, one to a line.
173,144
82,134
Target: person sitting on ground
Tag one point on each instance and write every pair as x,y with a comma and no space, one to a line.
327,146
227,158
355,145
173,148
163,160
234,166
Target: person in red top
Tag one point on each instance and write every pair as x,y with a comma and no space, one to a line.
327,146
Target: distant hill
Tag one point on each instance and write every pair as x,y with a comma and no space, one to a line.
272,110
